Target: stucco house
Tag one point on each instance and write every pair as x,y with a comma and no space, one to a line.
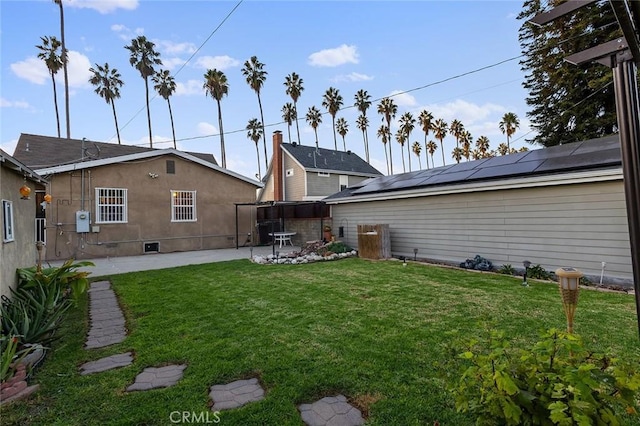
18,213
118,200
559,206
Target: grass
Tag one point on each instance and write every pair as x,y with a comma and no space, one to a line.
373,331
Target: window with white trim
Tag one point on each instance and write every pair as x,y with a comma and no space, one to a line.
324,174
344,182
111,205
7,221
183,206
289,172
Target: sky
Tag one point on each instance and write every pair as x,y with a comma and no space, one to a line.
456,59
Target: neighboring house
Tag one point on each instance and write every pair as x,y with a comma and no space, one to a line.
306,173
118,200
557,207
18,214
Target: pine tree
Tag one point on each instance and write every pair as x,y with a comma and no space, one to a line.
568,103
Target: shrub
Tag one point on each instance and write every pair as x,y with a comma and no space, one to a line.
538,272
338,247
507,269
478,263
557,381
10,356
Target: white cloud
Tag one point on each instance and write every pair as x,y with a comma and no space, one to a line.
191,87
172,63
4,103
169,47
467,112
354,76
78,68
403,99
35,70
126,33
102,6
334,57
206,129
9,147
216,62
31,69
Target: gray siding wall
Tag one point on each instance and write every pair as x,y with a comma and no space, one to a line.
293,185
579,225
322,186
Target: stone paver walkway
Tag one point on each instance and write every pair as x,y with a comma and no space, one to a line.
153,378
107,320
108,363
331,410
235,394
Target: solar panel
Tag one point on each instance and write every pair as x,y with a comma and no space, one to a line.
506,170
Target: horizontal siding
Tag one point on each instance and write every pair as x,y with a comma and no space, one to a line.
579,225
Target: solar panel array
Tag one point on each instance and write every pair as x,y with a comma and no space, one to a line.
597,153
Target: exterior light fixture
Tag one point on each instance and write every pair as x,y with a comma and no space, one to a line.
415,254
404,261
569,285
277,256
25,191
251,252
526,264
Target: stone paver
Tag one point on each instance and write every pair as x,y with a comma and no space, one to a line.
153,378
331,411
107,321
235,394
108,363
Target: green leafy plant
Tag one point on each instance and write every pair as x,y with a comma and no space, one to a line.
66,277
507,269
538,272
11,355
557,381
338,247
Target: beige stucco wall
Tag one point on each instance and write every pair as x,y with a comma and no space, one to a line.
579,225
149,209
21,252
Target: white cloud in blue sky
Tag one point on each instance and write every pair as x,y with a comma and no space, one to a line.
216,62
353,77
343,54
102,6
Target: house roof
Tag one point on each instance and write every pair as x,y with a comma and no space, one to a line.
11,163
595,154
142,155
45,151
328,160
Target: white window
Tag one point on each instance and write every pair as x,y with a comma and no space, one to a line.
111,205
7,221
344,182
289,172
183,206
323,174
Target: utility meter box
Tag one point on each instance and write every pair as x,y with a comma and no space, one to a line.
83,221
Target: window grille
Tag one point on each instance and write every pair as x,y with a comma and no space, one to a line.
183,206
111,205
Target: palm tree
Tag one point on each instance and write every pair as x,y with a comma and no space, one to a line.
216,85
483,146
289,115
456,129
431,148
407,124
108,84
314,118
465,141
255,76
417,149
143,57
165,85
509,125
343,128
363,102
332,101
456,154
388,109
440,131
294,89
426,123
503,149
254,132
49,54
383,134
362,122
65,60
401,138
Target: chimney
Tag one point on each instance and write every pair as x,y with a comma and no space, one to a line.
278,187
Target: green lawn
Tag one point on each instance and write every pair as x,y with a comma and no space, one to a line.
373,331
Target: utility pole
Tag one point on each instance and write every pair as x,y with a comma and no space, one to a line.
622,56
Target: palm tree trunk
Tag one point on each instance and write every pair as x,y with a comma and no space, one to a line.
390,139
64,65
55,102
433,164
404,167
223,150
366,151
419,161
335,141
146,86
344,144
442,149
264,134
409,153
387,158
173,131
295,106
115,118
289,131
258,156
315,130
426,151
